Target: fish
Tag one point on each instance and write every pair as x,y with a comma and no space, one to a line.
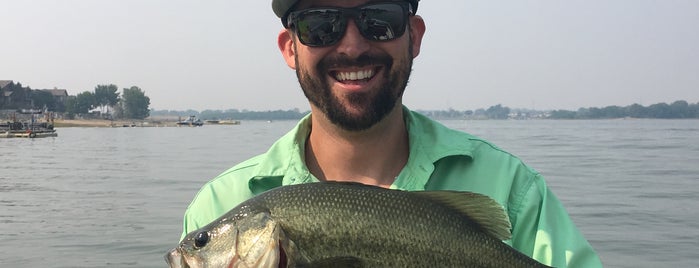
342,224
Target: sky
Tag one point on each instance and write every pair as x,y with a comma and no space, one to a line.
222,54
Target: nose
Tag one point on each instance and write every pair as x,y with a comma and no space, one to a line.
352,43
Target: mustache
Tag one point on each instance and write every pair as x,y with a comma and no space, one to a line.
343,61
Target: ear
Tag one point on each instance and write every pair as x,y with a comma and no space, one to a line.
286,46
417,30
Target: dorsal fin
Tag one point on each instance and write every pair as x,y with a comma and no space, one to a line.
485,211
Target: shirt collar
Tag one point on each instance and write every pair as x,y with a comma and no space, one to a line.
429,141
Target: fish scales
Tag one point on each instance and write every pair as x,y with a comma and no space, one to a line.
354,225
406,226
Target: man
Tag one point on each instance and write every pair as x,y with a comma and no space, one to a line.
353,59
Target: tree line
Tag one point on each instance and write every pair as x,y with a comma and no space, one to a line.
292,114
15,96
131,104
493,112
677,109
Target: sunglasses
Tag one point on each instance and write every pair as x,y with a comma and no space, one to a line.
325,26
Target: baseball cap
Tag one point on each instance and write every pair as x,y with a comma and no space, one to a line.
282,7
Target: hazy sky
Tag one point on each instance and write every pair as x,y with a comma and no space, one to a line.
222,54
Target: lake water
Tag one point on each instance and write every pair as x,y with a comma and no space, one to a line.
100,197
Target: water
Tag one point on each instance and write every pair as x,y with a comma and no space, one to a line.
95,197
631,186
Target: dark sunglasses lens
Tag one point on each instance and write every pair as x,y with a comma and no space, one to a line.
382,22
321,27
324,27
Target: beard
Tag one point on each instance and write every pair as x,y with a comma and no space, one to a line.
374,106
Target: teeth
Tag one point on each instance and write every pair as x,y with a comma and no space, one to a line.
358,75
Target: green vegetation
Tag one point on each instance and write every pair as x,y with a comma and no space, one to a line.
80,104
133,103
236,114
106,96
677,110
42,98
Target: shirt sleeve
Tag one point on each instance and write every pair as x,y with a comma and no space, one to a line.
200,207
213,200
187,225
544,230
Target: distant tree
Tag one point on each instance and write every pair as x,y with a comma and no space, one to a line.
479,113
660,110
562,114
680,109
613,112
70,107
19,96
43,99
497,112
82,103
636,111
134,103
693,110
594,112
106,96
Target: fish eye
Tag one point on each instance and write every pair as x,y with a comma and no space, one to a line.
201,239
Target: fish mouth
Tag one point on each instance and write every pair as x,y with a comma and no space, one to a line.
175,259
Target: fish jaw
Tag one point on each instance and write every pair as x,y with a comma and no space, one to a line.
269,258
259,243
177,258
174,259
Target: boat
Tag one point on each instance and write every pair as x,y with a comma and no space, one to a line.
229,122
191,121
222,122
29,134
27,130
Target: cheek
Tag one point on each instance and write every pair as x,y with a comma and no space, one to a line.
308,59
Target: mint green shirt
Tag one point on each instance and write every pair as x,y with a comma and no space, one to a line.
440,159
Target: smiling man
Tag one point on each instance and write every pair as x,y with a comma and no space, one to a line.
353,61
354,78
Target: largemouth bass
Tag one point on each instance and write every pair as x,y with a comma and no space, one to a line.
332,224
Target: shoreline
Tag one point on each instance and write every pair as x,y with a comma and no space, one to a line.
61,123
105,123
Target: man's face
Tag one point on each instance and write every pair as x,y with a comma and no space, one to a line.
355,82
